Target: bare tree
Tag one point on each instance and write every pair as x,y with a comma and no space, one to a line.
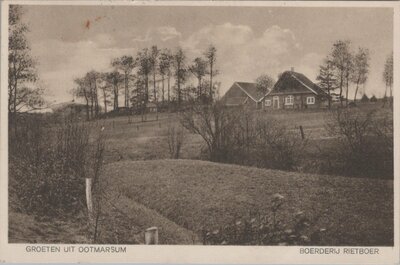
180,73
105,88
342,60
82,91
388,77
214,123
198,69
361,69
92,79
153,62
126,65
165,70
211,55
144,70
113,80
166,61
23,95
326,78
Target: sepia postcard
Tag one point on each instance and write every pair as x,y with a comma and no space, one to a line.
200,132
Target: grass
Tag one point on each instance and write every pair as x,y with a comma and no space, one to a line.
124,221
183,196
24,228
197,194
147,140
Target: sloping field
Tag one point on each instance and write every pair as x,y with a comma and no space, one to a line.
24,228
194,194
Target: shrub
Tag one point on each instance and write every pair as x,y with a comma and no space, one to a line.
258,229
363,142
175,137
214,123
48,163
240,136
276,146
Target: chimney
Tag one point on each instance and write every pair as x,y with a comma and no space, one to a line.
292,69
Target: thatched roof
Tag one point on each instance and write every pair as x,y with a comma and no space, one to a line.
293,82
251,90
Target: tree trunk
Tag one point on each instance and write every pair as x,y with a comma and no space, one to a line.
116,95
347,91
384,97
154,86
146,96
169,77
355,94
329,97
341,90
199,97
211,82
96,99
87,108
126,91
105,100
163,90
14,113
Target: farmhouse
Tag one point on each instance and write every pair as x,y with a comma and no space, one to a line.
243,94
295,91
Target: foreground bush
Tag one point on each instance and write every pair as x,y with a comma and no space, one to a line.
363,143
268,229
48,164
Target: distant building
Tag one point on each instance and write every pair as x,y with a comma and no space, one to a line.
295,91
68,108
243,94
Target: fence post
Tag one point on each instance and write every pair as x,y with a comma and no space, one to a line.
89,201
302,132
151,236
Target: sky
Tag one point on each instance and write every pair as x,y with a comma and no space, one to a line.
69,41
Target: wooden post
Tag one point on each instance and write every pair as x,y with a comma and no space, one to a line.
89,201
302,132
151,236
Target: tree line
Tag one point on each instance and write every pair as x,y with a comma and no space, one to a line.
152,75
344,67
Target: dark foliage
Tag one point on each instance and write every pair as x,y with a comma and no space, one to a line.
48,164
363,143
364,98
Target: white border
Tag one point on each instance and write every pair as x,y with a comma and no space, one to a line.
193,254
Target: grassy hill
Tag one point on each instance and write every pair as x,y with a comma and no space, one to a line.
193,194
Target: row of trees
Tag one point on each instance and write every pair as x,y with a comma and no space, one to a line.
140,78
344,67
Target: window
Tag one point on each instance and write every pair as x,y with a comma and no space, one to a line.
289,100
268,102
310,100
